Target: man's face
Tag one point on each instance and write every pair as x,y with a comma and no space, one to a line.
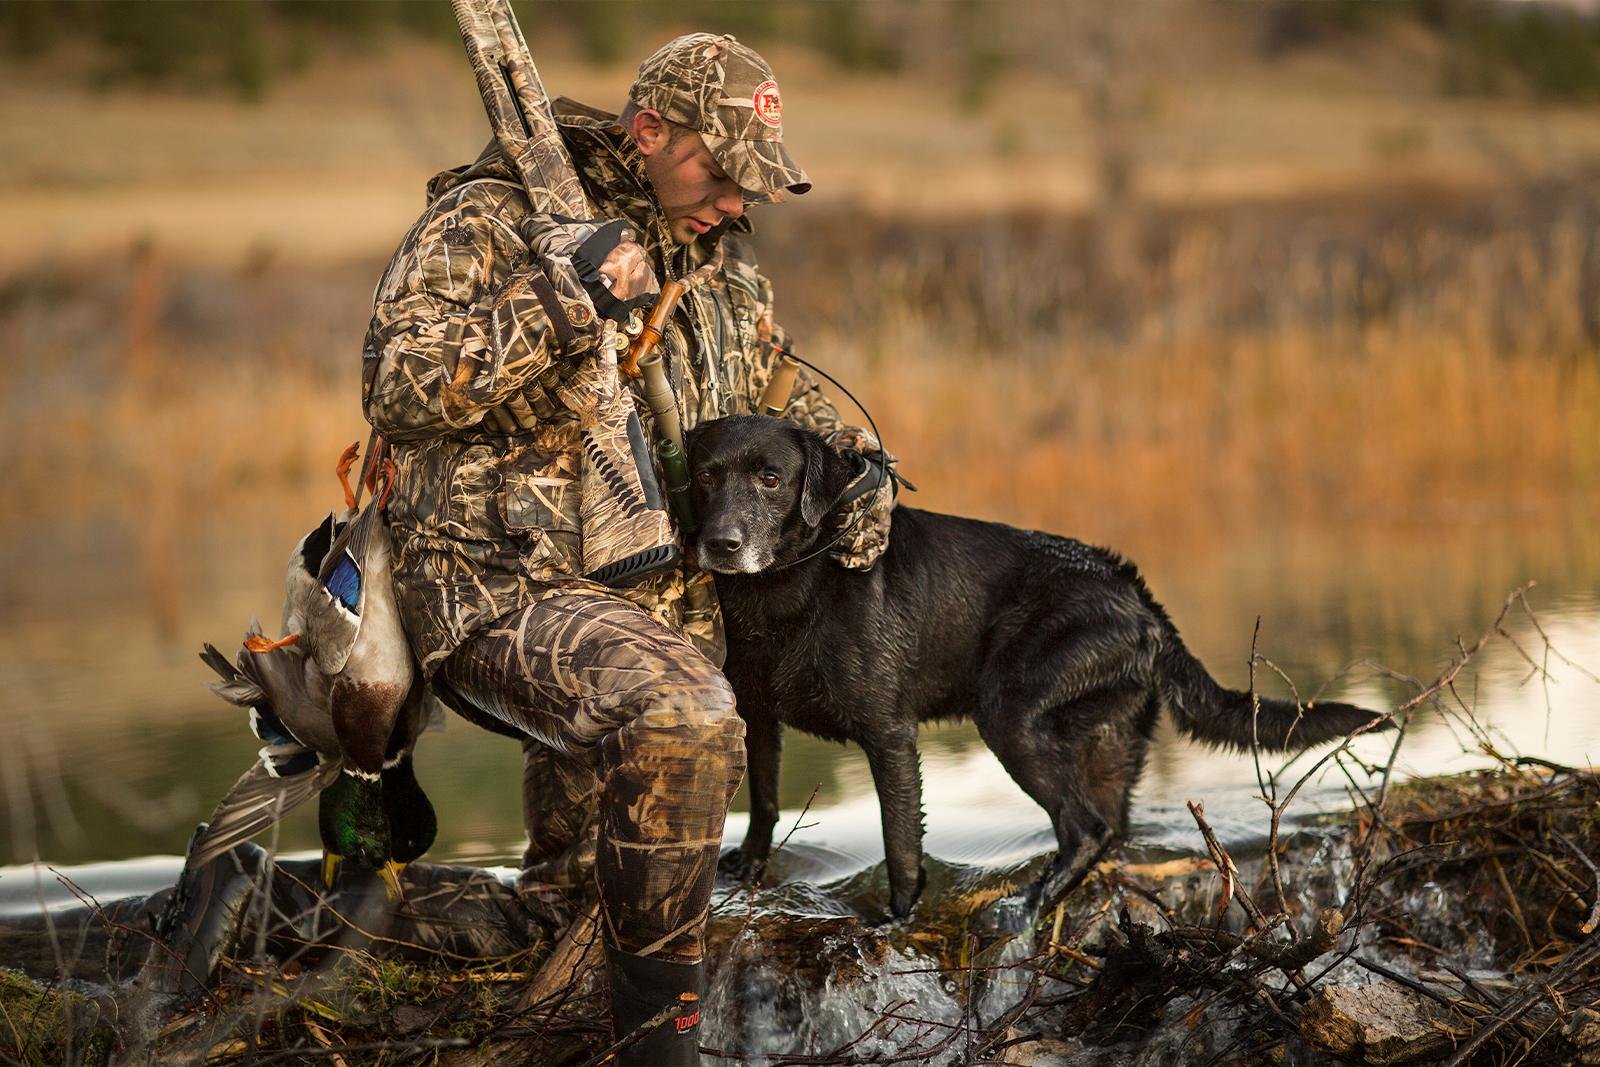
695,193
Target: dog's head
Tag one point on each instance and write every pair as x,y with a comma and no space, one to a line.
762,488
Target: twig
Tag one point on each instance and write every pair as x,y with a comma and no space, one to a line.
1268,784
1511,899
339,1051
1227,868
1445,681
1593,920
1577,959
637,1034
577,952
761,868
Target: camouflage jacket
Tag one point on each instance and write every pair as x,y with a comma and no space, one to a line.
461,353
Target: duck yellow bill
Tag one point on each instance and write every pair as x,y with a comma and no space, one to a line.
390,873
330,868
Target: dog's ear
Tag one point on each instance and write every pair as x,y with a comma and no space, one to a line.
823,481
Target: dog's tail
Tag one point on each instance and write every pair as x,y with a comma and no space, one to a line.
1207,711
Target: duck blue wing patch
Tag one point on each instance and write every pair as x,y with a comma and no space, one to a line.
265,724
344,583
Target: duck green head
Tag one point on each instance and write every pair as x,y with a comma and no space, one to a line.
354,826
413,824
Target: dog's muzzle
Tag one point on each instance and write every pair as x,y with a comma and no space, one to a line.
728,555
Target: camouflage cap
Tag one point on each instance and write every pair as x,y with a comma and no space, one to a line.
726,92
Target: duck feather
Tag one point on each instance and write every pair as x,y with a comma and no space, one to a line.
257,800
359,554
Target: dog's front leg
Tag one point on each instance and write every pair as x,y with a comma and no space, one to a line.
763,746
898,777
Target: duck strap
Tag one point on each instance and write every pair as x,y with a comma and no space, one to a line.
626,529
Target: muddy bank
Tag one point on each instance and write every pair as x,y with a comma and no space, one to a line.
1447,920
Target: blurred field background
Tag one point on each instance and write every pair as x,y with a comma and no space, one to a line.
1298,305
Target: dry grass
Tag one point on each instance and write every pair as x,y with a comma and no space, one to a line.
1282,428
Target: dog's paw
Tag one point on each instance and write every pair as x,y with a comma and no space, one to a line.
902,899
740,865
1056,884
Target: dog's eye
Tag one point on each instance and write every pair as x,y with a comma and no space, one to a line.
770,479
703,477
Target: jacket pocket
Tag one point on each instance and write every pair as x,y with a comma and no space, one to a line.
539,499
474,482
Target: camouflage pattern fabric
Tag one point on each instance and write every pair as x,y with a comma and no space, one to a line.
635,717
864,522
518,109
727,93
475,370
464,372
559,815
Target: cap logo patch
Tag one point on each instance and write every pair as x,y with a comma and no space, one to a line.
769,107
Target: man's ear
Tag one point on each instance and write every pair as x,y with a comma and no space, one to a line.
822,481
649,131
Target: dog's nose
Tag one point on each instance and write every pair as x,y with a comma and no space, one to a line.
725,543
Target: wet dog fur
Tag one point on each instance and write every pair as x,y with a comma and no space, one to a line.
1056,649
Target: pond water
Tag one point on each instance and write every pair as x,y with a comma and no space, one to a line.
113,749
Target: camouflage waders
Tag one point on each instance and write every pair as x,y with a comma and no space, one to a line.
615,702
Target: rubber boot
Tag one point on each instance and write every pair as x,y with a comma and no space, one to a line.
643,986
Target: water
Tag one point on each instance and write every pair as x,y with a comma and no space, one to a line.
113,748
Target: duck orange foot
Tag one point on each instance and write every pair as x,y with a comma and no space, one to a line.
347,460
258,642
390,473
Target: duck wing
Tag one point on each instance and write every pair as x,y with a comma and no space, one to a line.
284,691
300,584
246,686
357,559
297,705
258,799
236,687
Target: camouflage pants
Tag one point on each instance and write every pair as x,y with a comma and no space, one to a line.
632,734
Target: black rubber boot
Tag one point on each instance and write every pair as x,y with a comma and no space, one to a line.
642,987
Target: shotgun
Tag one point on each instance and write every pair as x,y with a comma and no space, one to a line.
626,528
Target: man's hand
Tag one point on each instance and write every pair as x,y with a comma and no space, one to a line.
627,272
867,516
599,263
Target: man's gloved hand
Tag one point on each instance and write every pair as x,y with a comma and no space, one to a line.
867,505
591,277
598,262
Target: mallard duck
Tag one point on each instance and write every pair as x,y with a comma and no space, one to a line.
382,823
343,669
352,625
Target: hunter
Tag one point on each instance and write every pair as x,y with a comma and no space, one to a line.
632,746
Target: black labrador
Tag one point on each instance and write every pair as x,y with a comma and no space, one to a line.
1054,647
